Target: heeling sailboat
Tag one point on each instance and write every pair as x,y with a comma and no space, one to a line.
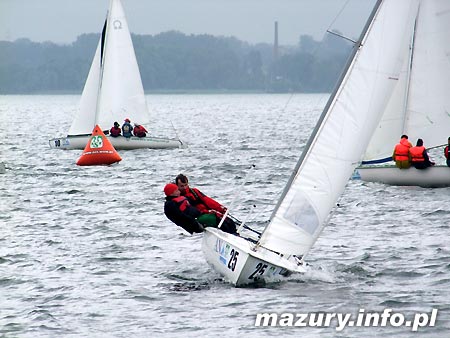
328,160
113,91
420,103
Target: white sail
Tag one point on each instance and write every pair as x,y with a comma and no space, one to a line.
113,90
428,115
343,133
84,120
423,109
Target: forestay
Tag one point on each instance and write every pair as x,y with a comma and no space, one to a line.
420,103
343,132
113,90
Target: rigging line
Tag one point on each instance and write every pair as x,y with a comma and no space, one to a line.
236,196
337,16
176,132
439,146
242,225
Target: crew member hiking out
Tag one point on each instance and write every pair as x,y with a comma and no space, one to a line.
179,210
204,204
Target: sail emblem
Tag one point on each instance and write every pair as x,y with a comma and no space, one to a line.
96,142
117,24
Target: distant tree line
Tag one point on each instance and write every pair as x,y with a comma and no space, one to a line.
175,61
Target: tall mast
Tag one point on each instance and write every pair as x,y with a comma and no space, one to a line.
408,79
102,61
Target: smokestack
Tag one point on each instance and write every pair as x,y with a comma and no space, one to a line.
275,43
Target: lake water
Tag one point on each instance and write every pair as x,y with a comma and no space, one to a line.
88,252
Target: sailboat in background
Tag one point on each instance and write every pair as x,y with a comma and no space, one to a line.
420,103
334,149
113,91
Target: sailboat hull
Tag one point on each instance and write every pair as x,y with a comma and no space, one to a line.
232,256
433,177
119,143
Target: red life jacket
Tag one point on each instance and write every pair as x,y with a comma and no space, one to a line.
417,154
115,131
182,202
402,150
446,152
202,202
140,131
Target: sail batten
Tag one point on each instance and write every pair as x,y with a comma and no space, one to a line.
343,131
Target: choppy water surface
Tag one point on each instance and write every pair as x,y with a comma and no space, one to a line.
88,252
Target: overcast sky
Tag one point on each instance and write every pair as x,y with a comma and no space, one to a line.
61,21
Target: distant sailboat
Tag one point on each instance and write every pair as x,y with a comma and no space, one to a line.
328,160
113,91
420,102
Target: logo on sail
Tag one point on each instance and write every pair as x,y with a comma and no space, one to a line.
117,24
96,142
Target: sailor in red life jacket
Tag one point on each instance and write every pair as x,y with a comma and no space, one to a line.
446,152
419,156
401,153
139,130
205,204
196,197
179,211
115,130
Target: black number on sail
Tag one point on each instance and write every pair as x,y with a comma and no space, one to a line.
260,269
233,260
57,143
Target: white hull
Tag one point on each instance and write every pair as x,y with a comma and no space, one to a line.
119,143
433,177
233,257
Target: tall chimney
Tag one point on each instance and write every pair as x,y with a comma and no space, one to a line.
275,43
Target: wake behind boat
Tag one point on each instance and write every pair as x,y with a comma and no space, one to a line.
333,151
419,105
113,91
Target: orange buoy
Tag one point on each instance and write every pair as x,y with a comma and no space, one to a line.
98,150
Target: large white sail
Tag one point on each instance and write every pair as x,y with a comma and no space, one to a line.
344,131
114,82
423,109
428,115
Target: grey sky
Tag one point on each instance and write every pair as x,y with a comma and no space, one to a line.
61,21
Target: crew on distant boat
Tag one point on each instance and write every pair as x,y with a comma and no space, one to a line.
447,155
401,153
115,130
419,156
127,129
204,203
178,209
139,130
